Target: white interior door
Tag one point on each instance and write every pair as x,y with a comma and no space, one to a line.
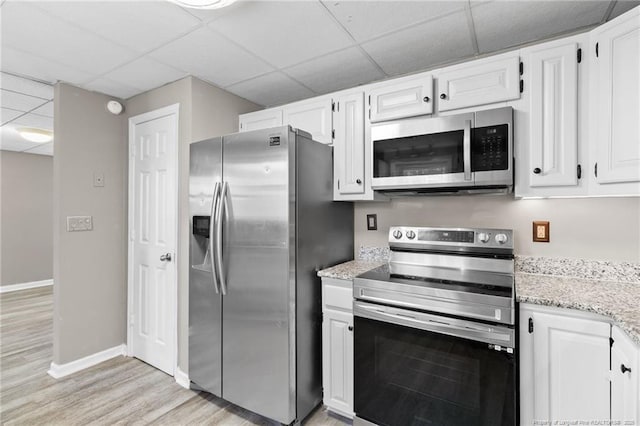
153,238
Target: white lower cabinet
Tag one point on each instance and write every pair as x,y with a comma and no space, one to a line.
337,345
567,368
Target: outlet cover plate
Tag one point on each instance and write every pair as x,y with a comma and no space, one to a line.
540,231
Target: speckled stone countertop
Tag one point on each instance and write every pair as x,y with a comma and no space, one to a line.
617,300
349,270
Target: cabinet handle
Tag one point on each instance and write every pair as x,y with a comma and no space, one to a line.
624,368
443,96
426,99
350,328
358,181
537,170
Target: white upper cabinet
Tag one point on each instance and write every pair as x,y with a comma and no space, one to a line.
553,125
312,116
617,87
348,146
401,98
625,379
263,119
480,82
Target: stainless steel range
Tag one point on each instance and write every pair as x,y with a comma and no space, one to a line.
435,340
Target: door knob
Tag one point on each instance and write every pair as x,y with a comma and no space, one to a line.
350,328
624,368
166,257
426,99
443,96
537,170
358,181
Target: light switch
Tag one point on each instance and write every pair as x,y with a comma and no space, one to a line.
541,231
79,223
98,179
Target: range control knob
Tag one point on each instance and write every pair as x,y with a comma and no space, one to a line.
411,235
483,237
397,234
501,238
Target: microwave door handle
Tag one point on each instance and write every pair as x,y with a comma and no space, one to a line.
214,209
466,146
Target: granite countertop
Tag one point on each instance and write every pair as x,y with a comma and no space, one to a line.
616,299
619,301
349,270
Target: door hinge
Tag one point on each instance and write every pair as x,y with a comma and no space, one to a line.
369,100
597,45
595,169
338,184
333,106
241,125
521,86
579,171
530,325
521,68
132,319
611,342
333,133
579,55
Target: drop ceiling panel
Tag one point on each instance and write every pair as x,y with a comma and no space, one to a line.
34,120
335,71
26,86
12,141
34,66
144,74
46,110
9,114
111,88
422,46
29,29
504,24
367,19
42,149
210,56
139,25
19,101
283,33
271,89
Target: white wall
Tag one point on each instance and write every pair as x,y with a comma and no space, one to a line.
587,228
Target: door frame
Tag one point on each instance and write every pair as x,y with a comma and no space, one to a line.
174,110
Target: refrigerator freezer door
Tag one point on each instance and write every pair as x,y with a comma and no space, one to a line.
205,309
259,260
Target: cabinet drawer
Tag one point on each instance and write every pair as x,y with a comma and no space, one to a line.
338,296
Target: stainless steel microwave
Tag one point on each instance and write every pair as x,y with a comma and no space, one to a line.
466,152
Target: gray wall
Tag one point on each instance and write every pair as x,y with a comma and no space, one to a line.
205,111
26,188
89,267
587,228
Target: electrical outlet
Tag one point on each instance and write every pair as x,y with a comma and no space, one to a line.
372,222
541,231
79,223
98,179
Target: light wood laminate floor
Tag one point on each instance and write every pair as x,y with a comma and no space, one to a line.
122,390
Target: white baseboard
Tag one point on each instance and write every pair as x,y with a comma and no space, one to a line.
182,378
57,371
24,286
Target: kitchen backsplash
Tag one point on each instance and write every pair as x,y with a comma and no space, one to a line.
579,268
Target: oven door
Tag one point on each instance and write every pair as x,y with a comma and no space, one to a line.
422,153
412,368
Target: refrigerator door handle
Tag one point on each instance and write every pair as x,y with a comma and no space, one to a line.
214,209
222,205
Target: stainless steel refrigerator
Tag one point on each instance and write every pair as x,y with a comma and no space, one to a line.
262,223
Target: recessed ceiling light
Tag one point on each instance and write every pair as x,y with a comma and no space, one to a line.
203,4
35,135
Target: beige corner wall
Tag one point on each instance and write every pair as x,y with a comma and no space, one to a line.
586,228
89,267
26,211
205,111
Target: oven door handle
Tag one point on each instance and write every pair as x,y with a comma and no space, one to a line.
501,336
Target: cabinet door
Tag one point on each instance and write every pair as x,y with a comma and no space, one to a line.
261,119
625,378
311,116
407,98
618,103
337,365
348,145
571,368
553,136
481,83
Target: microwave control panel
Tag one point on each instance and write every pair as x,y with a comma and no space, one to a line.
490,148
